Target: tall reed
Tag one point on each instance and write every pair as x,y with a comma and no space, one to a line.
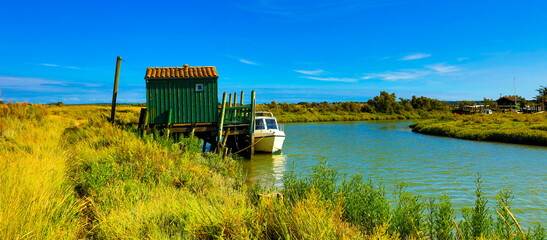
36,201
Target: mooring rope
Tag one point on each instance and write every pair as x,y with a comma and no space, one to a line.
248,146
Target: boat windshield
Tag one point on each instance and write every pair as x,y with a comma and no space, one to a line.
259,124
271,124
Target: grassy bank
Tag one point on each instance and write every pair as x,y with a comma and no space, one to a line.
509,127
69,174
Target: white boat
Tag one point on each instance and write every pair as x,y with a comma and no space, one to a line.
268,135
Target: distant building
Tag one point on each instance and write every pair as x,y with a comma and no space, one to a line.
508,103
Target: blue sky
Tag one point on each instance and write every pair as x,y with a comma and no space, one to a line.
286,50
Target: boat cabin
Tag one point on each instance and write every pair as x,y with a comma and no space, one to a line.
265,121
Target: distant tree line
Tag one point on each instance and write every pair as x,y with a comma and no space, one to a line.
384,103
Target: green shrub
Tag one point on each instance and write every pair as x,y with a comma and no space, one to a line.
365,204
477,220
443,219
504,226
408,218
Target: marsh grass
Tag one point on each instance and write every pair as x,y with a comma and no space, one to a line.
35,199
70,174
499,127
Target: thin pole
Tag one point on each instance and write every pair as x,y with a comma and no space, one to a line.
543,92
515,84
115,93
241,100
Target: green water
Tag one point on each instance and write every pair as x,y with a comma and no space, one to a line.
430,165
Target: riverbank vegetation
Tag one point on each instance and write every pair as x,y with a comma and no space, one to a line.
69,174
499,127
382,107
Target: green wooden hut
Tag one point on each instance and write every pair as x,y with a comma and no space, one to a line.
181,95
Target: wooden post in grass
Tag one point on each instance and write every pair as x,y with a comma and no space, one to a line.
115,93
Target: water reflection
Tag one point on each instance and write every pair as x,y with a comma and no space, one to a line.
266,168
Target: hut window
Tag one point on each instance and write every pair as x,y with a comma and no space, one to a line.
199,87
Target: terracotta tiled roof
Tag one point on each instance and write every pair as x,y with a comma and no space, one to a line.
180,72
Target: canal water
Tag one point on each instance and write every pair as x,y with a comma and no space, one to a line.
390,152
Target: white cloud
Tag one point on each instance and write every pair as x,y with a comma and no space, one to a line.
44,85
408,74
246,61
462,59
398,75
312,72
416,56
29,84
49,65
333,79
442,68
57,65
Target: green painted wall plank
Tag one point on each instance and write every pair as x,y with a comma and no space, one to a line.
180,95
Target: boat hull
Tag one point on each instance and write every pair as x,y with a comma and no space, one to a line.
269,143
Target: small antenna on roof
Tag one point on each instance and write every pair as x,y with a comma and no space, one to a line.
515,84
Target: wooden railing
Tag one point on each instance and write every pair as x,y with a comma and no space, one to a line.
238,115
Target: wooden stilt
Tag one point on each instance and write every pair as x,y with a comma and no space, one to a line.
168,125
251,129
225,154
145,124
221,120
225,138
